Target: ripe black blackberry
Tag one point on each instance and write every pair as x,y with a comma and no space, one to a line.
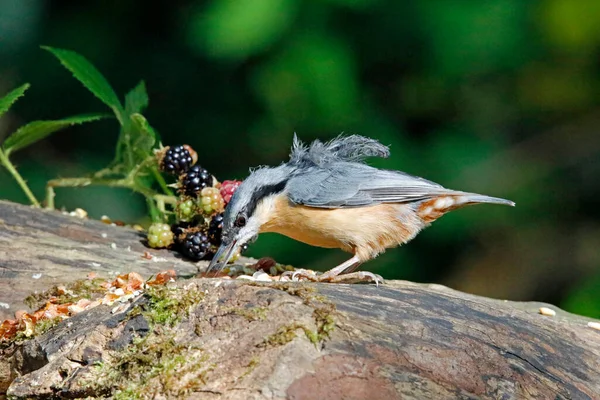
196,179
196,246
177,159
215,229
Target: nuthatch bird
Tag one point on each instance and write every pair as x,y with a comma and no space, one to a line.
326,196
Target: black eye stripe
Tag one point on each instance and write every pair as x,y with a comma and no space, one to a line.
262,193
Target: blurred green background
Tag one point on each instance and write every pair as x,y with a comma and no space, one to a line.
500,97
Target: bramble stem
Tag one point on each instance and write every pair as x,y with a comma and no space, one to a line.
13,171
161,200
155,214
161,181
81,182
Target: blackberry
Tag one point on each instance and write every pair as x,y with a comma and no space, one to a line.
196,179
215,229
196,246
160,236
177,159
228,188
186,209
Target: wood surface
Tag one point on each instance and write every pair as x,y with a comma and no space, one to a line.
247,340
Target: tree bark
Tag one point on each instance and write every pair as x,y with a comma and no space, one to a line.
235,339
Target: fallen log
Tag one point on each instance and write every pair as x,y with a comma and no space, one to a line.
234,339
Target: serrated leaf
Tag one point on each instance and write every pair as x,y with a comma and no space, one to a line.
136,100
144,137
37,130
85,72
11,97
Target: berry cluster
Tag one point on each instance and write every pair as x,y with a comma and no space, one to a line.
178,159
196,179
160,235
198,215
196,246
228,188
211,200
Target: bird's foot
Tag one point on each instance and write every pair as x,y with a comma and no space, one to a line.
354,277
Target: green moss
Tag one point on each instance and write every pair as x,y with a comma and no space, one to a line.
45,325
325,324
284,335
254,362
156,363
324,310
39,328
251,314
305,292
72,292
167,306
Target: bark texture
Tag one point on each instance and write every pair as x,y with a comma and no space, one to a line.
224,339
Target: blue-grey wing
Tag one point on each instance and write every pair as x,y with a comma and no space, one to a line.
354,185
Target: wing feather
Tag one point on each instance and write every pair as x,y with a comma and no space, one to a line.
348,184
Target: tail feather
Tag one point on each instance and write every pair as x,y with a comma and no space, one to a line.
432,209
474,198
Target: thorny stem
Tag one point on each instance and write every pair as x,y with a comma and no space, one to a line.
13,171
156,202
81,182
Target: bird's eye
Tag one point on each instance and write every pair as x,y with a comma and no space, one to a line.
240,221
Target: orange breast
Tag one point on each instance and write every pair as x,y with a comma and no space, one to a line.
365,231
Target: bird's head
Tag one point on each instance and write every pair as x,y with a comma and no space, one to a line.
249,208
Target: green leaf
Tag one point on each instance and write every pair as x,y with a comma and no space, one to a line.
143,137
90,77
37,130
136,142
136,101
11,97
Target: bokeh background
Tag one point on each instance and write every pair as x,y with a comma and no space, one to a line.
500,97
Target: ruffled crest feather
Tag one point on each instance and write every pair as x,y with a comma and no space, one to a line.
354,148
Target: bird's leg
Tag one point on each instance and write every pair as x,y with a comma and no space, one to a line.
351,265
335,275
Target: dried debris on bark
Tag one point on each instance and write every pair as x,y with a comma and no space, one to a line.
231,339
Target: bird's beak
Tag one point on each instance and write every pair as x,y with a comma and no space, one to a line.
227,250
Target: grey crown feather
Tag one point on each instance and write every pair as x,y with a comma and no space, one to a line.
353,148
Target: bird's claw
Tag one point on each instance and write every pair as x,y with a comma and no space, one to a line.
354,277
301,273
357,277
